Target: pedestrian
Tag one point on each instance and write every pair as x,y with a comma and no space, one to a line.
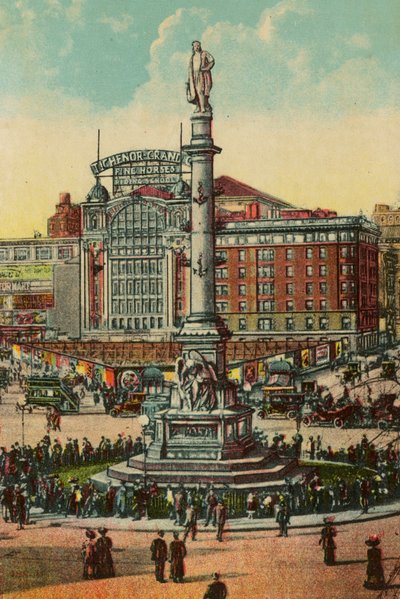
180,505
190,523
327,541
365,491
297,441
311,447
88,554
220,513
375,576
159,555
177,554
20,507
104,565
121,501
212,503
283,519
170,502
217,589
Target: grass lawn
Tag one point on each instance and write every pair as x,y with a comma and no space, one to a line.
83,472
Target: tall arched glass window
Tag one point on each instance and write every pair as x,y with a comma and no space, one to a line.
137,264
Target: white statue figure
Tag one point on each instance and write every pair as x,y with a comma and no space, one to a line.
199,78
197,383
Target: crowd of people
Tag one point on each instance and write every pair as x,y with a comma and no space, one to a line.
32,476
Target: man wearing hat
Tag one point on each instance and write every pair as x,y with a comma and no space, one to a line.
328,544
283,519
375,576
217,589
159,555
88,554
220,513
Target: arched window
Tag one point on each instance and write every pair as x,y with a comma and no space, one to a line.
136,253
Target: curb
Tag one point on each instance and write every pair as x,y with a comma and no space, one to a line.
258,525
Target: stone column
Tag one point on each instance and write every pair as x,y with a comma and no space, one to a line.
203,330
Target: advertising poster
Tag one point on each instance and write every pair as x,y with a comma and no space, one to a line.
199,247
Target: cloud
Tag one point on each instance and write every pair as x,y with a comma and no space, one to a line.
360,40
311,134
74,11
67,48
117,25
271,16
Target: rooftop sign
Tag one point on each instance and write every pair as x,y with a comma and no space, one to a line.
140,167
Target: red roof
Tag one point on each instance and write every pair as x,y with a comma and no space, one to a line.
149,191
233,188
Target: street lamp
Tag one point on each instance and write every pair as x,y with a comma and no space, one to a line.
144,422
21,408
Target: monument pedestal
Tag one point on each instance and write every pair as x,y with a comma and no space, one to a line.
219,435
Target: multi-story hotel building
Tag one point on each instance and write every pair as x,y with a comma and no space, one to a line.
309,276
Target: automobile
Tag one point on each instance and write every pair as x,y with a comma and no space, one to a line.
336,417
130,407
286,403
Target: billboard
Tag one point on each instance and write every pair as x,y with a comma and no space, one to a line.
6,318
140,167
322,354
38,301
26,272
7,287
32,317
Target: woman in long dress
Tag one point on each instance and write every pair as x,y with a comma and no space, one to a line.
177,553
104,567
375,575
327,541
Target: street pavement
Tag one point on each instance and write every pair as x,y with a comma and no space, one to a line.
44,561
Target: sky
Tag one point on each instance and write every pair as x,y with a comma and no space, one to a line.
305,97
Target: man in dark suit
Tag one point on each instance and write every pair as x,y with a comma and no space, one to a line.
159,555
220,512
217,589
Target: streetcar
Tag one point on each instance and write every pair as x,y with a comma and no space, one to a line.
51,391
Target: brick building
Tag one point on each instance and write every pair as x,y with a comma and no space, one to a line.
66,222
300,277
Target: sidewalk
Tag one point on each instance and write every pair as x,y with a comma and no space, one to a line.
233,524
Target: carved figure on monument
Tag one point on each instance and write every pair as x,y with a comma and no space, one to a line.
197,383
199,80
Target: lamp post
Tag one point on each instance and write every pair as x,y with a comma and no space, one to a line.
21,408
144,422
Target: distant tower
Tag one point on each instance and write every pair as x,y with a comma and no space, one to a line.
66,222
